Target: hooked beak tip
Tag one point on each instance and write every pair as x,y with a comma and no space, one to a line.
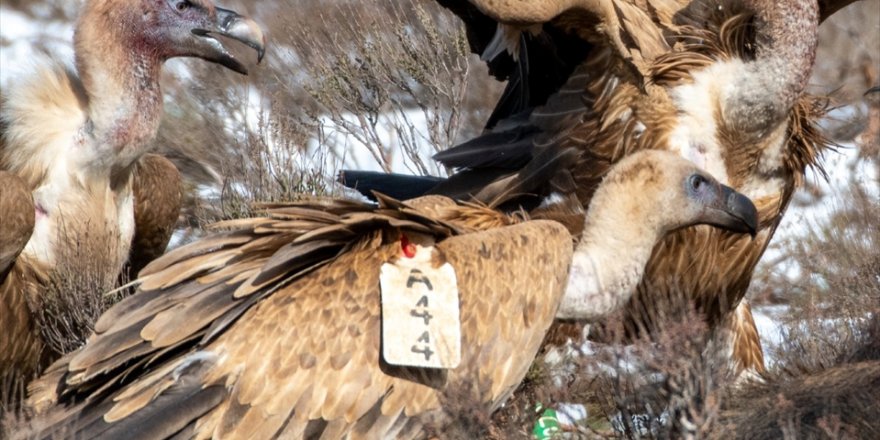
248,32
741,207
243,29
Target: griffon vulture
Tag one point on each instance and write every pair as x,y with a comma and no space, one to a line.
76,141
271,328
720,83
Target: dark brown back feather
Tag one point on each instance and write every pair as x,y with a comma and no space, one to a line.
157,191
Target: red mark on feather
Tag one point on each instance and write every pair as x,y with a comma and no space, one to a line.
408,248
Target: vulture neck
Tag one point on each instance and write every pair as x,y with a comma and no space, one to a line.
124,104
764,92
619,236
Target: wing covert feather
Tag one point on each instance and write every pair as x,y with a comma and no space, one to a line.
331,358
301,352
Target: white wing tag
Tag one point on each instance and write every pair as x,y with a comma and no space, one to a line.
421,326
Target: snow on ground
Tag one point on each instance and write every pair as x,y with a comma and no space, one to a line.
21,35
806,213
345,135
768,320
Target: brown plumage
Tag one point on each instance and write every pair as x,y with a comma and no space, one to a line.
17,204
157,189
613,78
271,328
264,333
838,401
74,139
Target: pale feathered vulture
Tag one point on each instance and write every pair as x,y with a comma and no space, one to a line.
720,83
76,140
272,328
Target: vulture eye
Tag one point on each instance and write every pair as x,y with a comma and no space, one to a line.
697,182
182,6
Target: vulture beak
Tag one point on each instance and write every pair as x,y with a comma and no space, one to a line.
231,25
731,210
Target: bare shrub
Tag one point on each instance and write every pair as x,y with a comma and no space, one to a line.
369,84
669,384
76,293
657,386
822,392
838,259
371,69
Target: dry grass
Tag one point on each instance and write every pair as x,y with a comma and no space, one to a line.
76,294
819,391
657,387
827,372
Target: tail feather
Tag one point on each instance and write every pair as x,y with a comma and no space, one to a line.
510,149
537,176
398,186
467,184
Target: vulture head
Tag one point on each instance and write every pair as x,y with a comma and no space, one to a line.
121,46
663,193
77,141
156,30
669,193
74,137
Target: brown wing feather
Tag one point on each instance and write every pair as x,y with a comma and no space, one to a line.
21,348
301,354
157,188
331,362
746,343
17,208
